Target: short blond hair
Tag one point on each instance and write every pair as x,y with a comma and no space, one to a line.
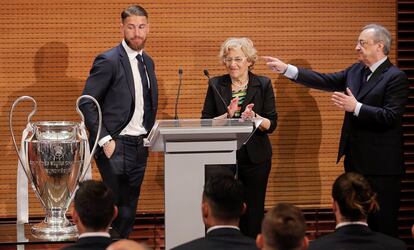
244,43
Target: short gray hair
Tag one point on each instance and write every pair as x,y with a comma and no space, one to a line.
244,43
381,34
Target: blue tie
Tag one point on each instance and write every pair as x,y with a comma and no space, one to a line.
145,92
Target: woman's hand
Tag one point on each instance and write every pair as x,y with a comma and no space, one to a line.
233,106
248,113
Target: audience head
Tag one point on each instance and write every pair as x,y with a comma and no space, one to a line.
223,201
94,207
412,230
283,228
353,197
126,245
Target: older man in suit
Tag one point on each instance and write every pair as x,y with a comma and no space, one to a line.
94,209
222,205
124,83
375,94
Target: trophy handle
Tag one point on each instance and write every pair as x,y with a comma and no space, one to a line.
22,164
21,98
99,128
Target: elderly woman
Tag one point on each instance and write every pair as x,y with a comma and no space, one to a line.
247,95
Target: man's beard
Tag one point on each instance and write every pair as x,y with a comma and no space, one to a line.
136,47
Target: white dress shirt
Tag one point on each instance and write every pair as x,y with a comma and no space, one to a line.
135,125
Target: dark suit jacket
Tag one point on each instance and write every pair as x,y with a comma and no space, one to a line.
259,92
222,238
374,138
90,243
111,83
357,237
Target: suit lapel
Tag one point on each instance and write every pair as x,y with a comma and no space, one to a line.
376,77
150,68
356,80
224,87
151,76
127,69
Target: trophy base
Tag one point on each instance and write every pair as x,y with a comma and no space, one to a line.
54,231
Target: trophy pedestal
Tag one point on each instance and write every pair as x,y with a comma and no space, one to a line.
54,227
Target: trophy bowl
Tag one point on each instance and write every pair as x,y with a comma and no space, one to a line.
55,158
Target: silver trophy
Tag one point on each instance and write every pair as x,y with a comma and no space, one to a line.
55,158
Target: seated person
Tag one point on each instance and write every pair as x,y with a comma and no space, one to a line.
353,199
222,205
94,210
125,244
412,231
283,227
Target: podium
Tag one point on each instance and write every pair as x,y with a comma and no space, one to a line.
188,146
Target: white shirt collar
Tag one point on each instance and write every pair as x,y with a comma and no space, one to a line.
132,54
377,64
221,226
342,224
94,234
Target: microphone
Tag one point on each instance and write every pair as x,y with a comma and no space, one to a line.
217,92
180,79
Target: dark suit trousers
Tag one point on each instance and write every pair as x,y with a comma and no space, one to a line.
388,189
254,178
123,173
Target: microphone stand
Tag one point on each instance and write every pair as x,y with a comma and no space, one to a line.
180,78
217,92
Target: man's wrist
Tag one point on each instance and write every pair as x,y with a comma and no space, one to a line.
357,108
103,140
291,72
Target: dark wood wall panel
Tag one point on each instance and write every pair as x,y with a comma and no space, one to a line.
47,48
405,60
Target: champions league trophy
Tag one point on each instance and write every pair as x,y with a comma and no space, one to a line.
55,158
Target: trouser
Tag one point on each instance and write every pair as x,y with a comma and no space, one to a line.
123,173
254,178
388,190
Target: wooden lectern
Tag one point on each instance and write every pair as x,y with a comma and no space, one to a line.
189,145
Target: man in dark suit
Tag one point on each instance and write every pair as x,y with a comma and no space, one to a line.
283,227
124,83
93,212
222,205
375,96
352,199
